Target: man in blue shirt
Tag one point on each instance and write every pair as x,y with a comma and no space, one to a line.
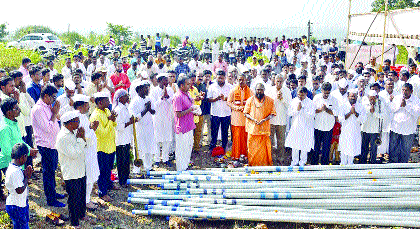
181,68
35,87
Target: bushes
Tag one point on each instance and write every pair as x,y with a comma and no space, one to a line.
11,58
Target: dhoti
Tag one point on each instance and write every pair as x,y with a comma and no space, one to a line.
259,150
239,140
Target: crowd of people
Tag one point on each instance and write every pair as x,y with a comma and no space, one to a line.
100,109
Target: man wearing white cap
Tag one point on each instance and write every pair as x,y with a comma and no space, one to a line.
66,102
105,134
142,108
162,97
341,92
71,147
81,104
352,115
375,112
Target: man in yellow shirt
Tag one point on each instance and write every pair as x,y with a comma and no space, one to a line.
105,134
198,120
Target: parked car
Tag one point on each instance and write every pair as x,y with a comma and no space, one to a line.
37,41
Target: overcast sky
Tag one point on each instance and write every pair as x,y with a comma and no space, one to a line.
86,15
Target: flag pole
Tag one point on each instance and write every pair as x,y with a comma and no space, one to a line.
383,37
348,31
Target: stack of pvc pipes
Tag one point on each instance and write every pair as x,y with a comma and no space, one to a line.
376,195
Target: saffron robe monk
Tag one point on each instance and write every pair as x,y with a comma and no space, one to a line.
259,109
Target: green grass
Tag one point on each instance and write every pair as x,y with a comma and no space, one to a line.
11,58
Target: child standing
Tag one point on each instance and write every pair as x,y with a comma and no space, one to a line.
17,182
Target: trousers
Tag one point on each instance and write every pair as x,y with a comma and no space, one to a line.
323,146
224,123
123,163
368,141
198,131
400,147
105,162
76,189
346,159
295,157
279,133
19,216
165,151
49,162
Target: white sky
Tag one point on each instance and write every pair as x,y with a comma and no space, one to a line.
86,15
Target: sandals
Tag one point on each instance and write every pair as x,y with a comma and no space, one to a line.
51,218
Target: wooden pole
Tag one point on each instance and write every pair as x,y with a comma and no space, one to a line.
383,37
348,31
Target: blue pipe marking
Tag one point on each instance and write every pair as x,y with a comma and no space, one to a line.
234,201
148,173
224,202
214,191
223,190
176,204
290,169
278,169
223,217
208,177
200,210
164,203
149,212
133,212
196,178
129,200
129,194
128,181
205,191
224,196
220,178
301,168
262,195
178,187
215,201
173,208
276,195
151,201
288,195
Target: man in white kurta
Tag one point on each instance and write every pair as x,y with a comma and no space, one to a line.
142,108
351,117
301,133
91,160
386,96
162,97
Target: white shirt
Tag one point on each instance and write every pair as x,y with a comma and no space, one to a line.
71,154
371,124
80,66
206,48
90,70
220,107
404,121
281,106
144,127
215,48
64,104
166,42
323,120
385,97
195,65
123,135
258,80
340,98
14,180
66,72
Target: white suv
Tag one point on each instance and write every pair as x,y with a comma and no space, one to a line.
37,41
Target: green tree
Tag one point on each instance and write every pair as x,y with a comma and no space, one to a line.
71,37
379,5
3,32
32,29
122,34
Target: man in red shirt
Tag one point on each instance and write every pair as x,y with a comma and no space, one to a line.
120,79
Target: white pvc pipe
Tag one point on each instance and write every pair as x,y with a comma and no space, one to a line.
287,184
281,217
318,167
390,188
353,203
324,213
322,175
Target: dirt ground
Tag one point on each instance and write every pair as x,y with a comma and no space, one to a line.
117,214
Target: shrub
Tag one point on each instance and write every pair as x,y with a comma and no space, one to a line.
11,58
